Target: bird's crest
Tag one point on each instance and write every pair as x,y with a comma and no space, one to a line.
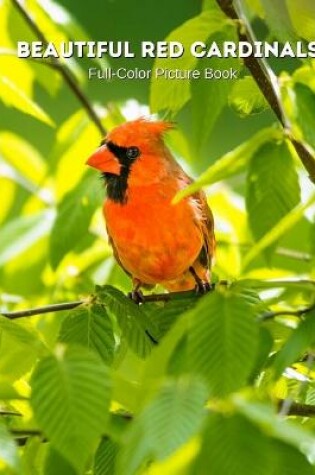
145,129
155,127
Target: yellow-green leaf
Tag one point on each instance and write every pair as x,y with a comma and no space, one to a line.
280,229
232,162
272,187
173,94
246,98
14,97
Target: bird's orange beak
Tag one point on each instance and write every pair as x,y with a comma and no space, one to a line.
102,159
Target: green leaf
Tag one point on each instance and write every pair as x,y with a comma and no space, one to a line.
133,321
90,326
8,450
290,461
22,232
310,395
272,188
32,456
231,163
7,391
270,422
178,362
55,463
246,98
305,105
68,134
164,314
300,340
298,100
157,364
251,296
278,20
223,341
76,138
233,446
172,95
312,239
209,96
19,348
305,75
22,156
105,458
20,333
12,96
279,230
170,420
302,17
264,349
74,214
70,398
178,141
253,8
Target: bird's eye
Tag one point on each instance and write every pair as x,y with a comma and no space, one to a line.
132,153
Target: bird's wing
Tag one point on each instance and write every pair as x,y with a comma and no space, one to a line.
207,227
205,221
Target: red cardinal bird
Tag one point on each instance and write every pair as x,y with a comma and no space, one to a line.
153,240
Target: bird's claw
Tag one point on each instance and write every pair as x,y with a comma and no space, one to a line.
136,296
202,288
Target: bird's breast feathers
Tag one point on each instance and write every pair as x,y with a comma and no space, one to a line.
155,239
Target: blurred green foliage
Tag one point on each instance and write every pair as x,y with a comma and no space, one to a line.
95,393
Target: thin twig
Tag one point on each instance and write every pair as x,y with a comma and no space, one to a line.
285,408
57,307
21,436
4,412
298,409
62,68
280,251
292,254
268,85
19,432
22,441
269,284
296,313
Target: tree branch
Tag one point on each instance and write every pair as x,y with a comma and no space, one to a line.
63,69
22,435
165,297
58,307
267,83
296,409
